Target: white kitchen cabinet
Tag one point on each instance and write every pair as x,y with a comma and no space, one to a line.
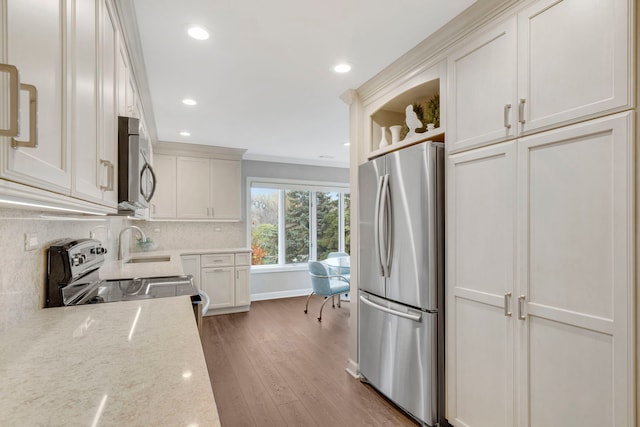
219,284
191,265
560,202
573,61
482,89
193,187
163,203
243,274
34,37
576,274
568,62
199,186
108,141
481,189
94,103
225,189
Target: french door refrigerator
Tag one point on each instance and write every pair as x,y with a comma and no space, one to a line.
401,278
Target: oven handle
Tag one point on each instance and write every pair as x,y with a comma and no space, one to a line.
205,301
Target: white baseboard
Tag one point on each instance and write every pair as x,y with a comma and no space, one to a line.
280,294
353,369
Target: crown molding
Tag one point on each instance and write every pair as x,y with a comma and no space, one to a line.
296,161
433,49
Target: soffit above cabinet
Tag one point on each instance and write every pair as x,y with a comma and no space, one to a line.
197,150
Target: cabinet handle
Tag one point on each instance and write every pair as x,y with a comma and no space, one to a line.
110,175
33,117
14,100
507,300
521,110
507,108
212,212
208,212
521,315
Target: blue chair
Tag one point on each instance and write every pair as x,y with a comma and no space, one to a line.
325,285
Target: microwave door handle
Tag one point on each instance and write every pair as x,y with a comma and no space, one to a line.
146,196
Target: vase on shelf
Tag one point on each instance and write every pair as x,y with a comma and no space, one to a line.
383,141
395,133
430,126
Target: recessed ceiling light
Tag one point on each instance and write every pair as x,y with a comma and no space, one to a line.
342,68
198,33
185,133
189,101
347,144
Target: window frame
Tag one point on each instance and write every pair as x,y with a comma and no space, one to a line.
291,184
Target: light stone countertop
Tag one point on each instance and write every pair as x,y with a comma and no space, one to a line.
123,363
113,270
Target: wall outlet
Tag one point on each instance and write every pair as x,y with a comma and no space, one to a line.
30,241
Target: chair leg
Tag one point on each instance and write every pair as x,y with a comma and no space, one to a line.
339,301
333,302
321,307
306,307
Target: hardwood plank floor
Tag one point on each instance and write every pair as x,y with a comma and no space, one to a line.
276,366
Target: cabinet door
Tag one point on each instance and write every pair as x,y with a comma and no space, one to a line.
163,204
84,102
243,289
576,237
123,78
109,106
482,89
191,265
219,284
573,60
35,34
226,189
194,187
480,279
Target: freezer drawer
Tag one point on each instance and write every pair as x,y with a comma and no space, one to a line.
397,346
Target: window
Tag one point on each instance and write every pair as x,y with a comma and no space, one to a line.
294,223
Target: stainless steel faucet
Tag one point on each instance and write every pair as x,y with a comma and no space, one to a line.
133,227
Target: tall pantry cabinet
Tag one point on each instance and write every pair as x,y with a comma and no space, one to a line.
541,299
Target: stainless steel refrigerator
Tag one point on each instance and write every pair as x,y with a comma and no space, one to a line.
401,278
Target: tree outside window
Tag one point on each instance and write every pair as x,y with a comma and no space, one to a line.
293,226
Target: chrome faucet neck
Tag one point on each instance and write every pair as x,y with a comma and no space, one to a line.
130,227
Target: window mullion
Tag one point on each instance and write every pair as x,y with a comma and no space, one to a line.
313,229
341,222
281,228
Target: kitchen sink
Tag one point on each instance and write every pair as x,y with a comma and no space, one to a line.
149,259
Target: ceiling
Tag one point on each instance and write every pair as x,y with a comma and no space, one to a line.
264,80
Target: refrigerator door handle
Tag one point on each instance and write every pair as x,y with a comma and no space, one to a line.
389,224
376,228
384,225
414,317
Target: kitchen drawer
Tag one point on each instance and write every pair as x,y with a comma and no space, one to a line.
216,260
243,259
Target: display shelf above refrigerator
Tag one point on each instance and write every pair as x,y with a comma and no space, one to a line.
436,135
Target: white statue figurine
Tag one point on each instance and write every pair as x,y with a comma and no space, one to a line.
412,121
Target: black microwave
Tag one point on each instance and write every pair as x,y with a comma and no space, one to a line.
136,180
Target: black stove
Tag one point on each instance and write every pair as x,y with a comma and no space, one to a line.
73,279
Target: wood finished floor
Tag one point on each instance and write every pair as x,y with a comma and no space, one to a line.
275,366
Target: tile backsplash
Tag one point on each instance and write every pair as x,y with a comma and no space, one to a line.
23,273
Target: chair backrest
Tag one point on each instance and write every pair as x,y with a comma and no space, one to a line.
337,254
319,283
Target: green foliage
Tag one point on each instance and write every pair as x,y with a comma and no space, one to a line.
297,226
265,237
328,224
432,112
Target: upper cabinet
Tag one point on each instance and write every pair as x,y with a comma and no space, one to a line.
554,63
64,77
482,88
34,40
197,182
